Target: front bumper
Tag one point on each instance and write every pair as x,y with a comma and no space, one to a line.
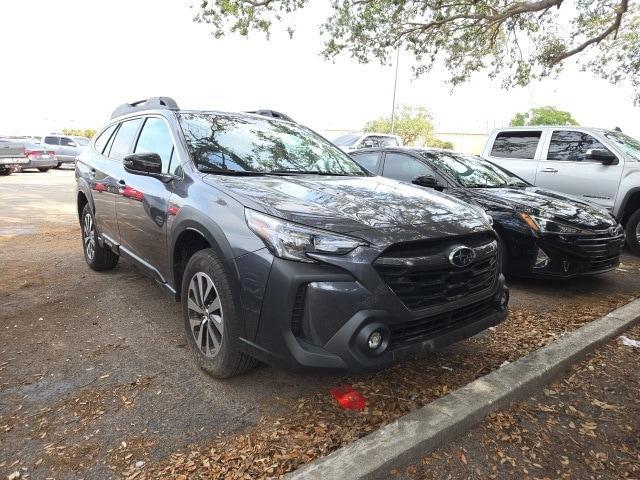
318,316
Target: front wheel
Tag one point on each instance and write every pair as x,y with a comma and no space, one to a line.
98,257
633,232
5,171
211,319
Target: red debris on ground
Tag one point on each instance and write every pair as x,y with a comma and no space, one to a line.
348,398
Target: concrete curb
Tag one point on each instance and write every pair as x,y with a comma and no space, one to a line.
449,416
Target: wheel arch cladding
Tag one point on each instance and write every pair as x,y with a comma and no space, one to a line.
630,204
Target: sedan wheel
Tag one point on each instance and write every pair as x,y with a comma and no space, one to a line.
205,314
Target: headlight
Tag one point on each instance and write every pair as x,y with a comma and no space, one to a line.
481,211
293,242
544,225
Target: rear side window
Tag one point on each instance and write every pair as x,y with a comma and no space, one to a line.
155,138
571,146
104,137
516,145
368,161
123,141
52,140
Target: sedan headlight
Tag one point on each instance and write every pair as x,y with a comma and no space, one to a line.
483,214
545,225
293,242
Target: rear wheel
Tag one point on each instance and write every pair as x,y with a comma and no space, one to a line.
98,257
211,319
633,232
43,169
58,165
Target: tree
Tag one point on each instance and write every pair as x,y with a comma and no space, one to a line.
514,40
543,116
412,124
79,132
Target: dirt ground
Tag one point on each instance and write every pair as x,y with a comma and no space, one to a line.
585,426
96,380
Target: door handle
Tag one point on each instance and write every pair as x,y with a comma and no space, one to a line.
549,170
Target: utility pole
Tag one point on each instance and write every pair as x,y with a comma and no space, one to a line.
395,85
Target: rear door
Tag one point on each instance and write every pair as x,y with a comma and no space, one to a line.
564,168
517,151
143,202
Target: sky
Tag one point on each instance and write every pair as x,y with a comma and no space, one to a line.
69,63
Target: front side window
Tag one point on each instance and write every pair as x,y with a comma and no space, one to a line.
155,138
472,172
516,144
123,140
103,138
571,146
67,142
224,143
368,161
404,168
52,140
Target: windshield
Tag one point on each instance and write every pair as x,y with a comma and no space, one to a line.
473,172
627,144
346,140
82,141
235,143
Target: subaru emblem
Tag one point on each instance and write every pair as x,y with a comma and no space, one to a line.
461,256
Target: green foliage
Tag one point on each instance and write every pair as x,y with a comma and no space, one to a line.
79,132
413,125
543,116
515,41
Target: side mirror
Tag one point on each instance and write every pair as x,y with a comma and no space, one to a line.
599,155
426,181
143,164
367,144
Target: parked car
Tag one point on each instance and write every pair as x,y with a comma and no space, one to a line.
544,233
67,147
355,141
597,165
280,247
11,156
37,156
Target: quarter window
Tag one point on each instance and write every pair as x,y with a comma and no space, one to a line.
516,145
123,139
404,168
571,146
368,161
155,138
103,138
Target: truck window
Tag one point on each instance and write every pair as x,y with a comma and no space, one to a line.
516,144
571,146
52,140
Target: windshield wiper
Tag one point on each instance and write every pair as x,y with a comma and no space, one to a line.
307,172
239,173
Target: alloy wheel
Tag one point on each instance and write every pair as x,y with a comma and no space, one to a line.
89,236
205,314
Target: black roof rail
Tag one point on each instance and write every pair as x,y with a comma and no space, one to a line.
147,104
273,114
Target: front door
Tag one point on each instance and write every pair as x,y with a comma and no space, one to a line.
564,168
143,202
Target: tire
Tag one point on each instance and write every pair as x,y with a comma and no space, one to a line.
212,326
98,257
633,225
43,169
5,171
58,165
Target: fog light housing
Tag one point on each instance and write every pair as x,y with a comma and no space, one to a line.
375,340
542,259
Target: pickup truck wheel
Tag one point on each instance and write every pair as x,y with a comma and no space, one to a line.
98,257
633,232
43,169
211,319
5,171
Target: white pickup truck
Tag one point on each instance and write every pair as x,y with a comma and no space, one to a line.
594,164
11,154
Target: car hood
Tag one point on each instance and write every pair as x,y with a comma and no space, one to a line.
350,204
540,202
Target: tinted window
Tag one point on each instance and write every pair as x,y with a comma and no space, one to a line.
155,138
67,142
346,140
251,144
124,139
516,145
52,140
369,161
404,168
378,141
103,138
571,146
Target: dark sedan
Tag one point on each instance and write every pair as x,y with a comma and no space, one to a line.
544,233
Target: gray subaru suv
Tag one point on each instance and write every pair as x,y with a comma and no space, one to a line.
279,246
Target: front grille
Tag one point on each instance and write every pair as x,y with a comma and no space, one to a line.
602,248
421,275
425,328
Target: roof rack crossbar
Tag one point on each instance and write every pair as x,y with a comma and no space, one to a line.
273,114
167,103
